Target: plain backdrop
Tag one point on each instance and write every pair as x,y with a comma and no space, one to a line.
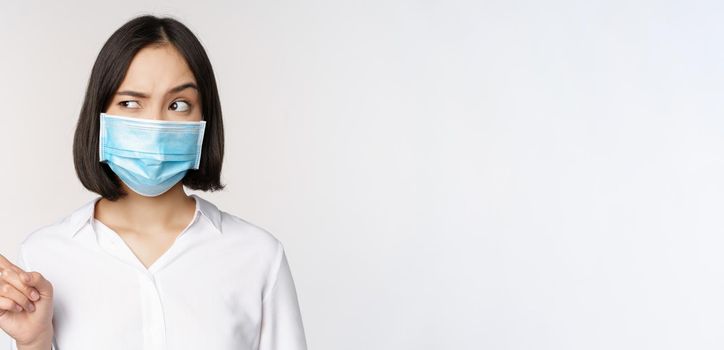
443,174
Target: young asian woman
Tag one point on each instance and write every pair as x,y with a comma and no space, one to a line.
143,265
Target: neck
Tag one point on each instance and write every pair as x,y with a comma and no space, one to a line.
172,208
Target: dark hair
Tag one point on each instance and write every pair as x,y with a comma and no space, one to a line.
108,72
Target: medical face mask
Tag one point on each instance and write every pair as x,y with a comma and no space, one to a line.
150,156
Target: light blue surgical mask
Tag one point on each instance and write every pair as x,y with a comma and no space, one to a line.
150,156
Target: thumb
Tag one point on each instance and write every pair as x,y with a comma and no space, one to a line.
35,279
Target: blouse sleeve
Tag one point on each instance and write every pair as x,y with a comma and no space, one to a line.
281,324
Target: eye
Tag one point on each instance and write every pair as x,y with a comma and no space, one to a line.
185,106
125,105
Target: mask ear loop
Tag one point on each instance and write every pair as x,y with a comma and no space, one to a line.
200,143
102,137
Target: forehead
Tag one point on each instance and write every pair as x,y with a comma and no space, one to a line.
154,69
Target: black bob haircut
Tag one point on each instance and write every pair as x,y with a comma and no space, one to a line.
108,72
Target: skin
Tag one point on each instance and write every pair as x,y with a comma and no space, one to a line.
148,225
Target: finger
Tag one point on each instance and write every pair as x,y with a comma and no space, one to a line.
42,285
21,281
4,262
9,305
7,264
7,290
11,273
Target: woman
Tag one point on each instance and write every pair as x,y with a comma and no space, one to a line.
143,265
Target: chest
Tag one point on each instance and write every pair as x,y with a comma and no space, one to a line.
147,248
144,247
205,288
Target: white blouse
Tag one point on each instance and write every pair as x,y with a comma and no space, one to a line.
224,284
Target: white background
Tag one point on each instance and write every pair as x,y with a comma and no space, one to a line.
443,174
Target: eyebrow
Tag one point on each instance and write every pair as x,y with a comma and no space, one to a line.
173,90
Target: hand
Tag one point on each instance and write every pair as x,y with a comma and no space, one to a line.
26,318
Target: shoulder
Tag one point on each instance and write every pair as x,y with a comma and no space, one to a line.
256,246
51,235
251,245
43,241
251,235
237,229
50,231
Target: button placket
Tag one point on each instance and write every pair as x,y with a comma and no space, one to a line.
154,327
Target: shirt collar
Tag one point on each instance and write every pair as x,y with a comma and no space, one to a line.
82,215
